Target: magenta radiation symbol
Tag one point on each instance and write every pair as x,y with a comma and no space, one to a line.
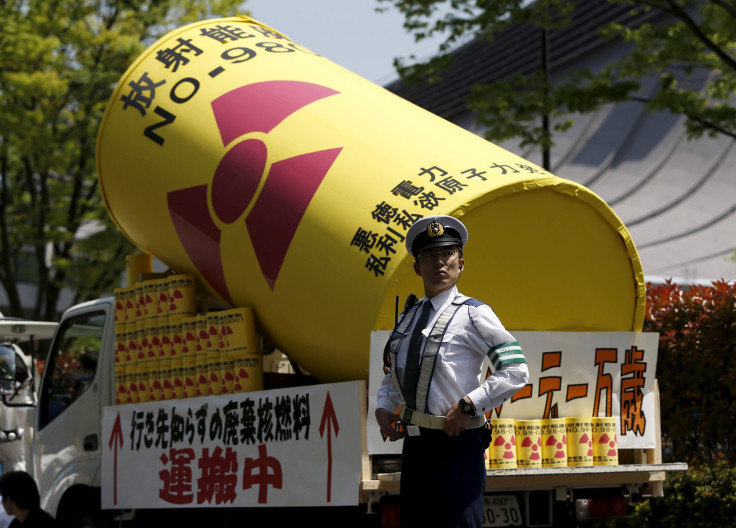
285,195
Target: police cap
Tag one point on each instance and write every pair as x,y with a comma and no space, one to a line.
435,231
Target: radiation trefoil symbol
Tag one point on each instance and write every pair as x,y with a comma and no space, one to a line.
509,446
535,447
587,441
279,203
558,445
611,441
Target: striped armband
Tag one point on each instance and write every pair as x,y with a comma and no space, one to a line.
506,354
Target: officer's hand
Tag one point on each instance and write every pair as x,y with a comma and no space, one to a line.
456,420
386,420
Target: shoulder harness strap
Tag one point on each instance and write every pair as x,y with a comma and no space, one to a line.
432,347
397,336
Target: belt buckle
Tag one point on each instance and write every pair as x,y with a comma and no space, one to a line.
412,430
407,415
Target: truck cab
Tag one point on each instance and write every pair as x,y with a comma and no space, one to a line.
76,383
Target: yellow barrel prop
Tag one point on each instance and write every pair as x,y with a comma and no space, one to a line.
167,337
239,330
136,265
189,373
161,299
554,442
243,366
124,297
605,443
166,353
260,168
214,371
133,351
145,331
130,303
156,378
182,295
177,356
227,373
121,343
203,374
143,377
141,306
201,355
175,335
167,378
121,388
215,353
189,334
528,443
131,379
579,441
248,370
502,451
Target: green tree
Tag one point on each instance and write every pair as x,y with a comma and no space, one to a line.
691,36
59,62
696,369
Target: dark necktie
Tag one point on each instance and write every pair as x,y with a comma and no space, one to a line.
411,372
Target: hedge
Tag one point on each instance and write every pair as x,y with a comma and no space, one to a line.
696,369
697,498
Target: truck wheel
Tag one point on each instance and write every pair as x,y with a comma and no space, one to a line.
80,508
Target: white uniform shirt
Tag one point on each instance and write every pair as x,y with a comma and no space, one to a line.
469,336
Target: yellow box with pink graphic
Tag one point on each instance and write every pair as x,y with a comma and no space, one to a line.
528,443
605,444
579,441
552,442
502,451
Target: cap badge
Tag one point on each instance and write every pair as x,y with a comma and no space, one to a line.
435,229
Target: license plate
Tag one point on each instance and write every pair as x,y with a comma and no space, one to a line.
501,510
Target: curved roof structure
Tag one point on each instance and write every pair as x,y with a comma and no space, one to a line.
677,197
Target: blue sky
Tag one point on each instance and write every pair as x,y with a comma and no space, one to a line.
348,32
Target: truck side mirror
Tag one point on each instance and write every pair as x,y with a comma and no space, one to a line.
14,375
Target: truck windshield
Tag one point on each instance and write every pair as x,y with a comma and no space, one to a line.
72,365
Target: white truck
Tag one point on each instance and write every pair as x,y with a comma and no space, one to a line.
285,184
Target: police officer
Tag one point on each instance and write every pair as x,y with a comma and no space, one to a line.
444,395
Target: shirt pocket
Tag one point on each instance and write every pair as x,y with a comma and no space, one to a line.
446,362
445,350
435,345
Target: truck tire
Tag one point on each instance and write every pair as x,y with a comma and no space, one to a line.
80,508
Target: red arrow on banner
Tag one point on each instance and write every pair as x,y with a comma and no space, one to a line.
329,419
116,441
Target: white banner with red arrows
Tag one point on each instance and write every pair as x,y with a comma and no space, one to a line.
288,447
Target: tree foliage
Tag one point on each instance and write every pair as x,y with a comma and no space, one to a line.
688,46
60,62
696,369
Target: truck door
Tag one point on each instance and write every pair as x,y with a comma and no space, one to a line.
67,439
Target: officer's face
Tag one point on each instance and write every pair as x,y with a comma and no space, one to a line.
439,268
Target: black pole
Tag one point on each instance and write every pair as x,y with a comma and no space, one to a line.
545,114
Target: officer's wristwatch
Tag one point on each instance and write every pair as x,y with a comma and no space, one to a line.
467,407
